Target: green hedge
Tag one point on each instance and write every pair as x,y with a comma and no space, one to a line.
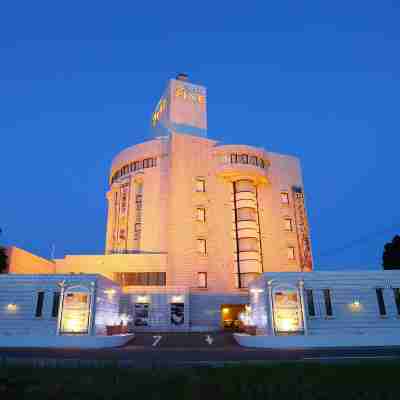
276,381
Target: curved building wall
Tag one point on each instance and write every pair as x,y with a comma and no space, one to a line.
217,211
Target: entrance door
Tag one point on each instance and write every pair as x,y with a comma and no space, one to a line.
230,316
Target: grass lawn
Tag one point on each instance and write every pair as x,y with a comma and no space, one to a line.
361,380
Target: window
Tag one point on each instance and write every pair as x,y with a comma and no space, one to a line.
201,246
56,303
261,163
234,158
200,185
253,160
140,278
202,279
201,214
243,158
290,253
39,304
284,198
146,163
248,244
138,227
396,292
136,165
246,214
328,302
310,302
244,186
288,225
381,301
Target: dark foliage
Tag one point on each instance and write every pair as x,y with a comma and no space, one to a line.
3,260
391,254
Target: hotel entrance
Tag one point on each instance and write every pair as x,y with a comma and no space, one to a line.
230,316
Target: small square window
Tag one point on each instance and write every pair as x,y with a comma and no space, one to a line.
288,225
290,253
202,279
200,185
201,214
201,246
253,160
284,198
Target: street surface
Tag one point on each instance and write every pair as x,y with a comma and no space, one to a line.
182,349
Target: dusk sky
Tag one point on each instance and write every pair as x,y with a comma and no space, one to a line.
316,79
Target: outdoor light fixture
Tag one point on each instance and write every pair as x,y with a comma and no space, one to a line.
110,293
142,299
177,299
355,305
225,310
12,307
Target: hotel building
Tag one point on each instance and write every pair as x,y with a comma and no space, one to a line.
191,221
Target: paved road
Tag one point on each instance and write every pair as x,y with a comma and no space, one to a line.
153,350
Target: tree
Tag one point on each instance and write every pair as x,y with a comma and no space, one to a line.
3,260
391,254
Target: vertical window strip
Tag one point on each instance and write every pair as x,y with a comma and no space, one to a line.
328,302
310,302
56,304
381,301
396,292
39,304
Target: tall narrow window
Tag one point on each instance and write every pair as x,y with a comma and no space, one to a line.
202,279
201,246
253,160
56,303
201,214
396,292
381,301
284,198
328,302
39,304
290,253
310,302
288,225
200,185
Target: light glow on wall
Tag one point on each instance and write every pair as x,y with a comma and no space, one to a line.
142,299
110,293
356,306
12,307
177,299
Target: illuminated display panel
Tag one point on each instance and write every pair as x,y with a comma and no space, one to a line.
75,313
287,311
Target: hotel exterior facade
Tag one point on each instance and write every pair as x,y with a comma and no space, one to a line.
191,222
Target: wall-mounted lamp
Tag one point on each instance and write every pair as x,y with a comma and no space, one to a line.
110,293
355,305
12,307
177,299
256,291
142,299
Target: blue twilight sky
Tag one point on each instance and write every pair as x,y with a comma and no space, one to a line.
316,79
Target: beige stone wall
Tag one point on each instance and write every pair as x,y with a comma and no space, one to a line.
107,265
23,262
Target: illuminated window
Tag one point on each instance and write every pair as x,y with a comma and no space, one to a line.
310,302
243,158
140,278
284,198
200,185
248,244
290,253
201,246
253,160
244,186
288,225
246,214
328,302
381,301
201,214
202,279
396,293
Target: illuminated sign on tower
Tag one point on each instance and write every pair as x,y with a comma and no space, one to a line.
182,109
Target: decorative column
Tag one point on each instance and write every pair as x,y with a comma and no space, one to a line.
271,322
60,307
92,309
303,307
